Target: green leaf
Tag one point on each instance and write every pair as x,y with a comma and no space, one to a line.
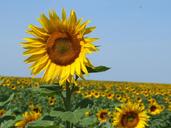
97,69
88,121
80,113
8,100
7,124
41,124
8,121
6,118
72,117
55,88
65,116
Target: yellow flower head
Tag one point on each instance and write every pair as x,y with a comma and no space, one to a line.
59,47
27,117
103,115
51,100
2,112
155,108
130,115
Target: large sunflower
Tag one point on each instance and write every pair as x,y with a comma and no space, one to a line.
130,116
59,47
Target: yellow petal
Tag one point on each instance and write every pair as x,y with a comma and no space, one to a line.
83,68
89,30
20,124
54,20
31,40
38,31
90,40
35,51
80,28
72,69
36,70
34,58
63,14
49,72
45,23
78,67
72,18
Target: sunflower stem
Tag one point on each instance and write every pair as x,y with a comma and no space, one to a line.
67,102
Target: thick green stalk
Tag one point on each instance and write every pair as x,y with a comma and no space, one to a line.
67,102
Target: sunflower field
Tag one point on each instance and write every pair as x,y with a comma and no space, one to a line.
29,103
62,98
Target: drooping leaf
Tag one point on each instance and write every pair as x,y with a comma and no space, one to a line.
52,87
97,69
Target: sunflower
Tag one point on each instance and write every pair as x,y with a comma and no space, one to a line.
130,115
109,95
51,100
13,87
2,112
96,94
28,117
59,47
103,115
87,94
155,108
152,100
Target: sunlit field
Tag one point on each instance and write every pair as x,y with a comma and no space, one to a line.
31,103
57,50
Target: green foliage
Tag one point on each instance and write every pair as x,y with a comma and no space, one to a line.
85,103
84,99
72,117
88,121
41,124
97,69
3,103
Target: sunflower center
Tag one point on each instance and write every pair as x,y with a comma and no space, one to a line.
62,48
153,108
103,115
62,45
130,120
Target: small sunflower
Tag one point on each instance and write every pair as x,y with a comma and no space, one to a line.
155,108
35,108
87,94
103,115
28,117
59,47
51,100
2,112
130,115
110,96
96,94
13,87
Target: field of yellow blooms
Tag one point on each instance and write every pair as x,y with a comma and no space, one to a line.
30,103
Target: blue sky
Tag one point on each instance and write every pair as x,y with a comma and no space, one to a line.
135,36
